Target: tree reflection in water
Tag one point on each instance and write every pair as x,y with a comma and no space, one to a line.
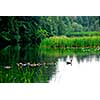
11,55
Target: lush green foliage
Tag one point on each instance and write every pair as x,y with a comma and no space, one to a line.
65,42
36,28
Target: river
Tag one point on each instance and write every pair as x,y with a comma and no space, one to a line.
84,68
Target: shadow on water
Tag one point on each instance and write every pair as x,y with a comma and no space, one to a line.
3,45
11,55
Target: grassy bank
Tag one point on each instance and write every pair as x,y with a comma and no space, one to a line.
74,42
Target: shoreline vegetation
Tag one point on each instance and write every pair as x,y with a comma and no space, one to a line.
34,29
71,42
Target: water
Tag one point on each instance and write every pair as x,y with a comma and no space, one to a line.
84,69
86,72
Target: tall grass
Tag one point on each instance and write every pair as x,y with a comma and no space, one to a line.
74,42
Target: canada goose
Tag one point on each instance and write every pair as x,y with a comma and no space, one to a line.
19,64
7,67
24,65
28,63
70,62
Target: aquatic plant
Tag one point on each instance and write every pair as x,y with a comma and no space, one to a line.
73,42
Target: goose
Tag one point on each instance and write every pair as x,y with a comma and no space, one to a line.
69,62
7,67
19,64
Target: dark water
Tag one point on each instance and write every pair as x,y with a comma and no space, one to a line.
11,55
55,69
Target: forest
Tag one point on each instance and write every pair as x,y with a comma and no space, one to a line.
26,29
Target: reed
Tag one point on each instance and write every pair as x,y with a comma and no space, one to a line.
73,42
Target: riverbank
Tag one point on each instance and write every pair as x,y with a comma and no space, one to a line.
73,42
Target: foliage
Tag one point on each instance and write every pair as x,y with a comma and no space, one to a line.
36,28
65,42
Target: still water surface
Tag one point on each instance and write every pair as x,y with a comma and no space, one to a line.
87,71
85,67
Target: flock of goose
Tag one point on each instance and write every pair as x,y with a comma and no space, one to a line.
34,65
30,64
